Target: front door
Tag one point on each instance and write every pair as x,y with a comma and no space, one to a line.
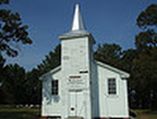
76,104
73,104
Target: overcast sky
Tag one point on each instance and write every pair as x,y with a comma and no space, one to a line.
110,21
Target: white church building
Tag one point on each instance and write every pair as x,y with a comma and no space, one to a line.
81,87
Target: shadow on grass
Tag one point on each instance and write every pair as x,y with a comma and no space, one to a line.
146,114
14,113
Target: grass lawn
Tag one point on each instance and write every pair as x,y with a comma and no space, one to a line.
146,114
10,112
7,112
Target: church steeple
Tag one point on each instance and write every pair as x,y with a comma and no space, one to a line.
77,24
77,29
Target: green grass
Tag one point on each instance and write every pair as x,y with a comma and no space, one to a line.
11,112
146,114
8,112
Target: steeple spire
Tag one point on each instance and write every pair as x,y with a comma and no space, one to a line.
77,24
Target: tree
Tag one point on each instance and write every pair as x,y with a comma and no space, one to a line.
12,31
127,59
147,21
143,78
51,60
19,86
13,84
145,63
2,61
148,17
109,53
33,87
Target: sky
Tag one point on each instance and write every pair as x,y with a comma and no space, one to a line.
109,21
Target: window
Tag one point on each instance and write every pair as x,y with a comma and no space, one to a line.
54,87
112,86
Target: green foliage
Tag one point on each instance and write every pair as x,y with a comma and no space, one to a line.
109,53
2,61
143,75
4,2
12,31
51,60
13,77
127,59
146,40
19,87
148,17
147,21
33,87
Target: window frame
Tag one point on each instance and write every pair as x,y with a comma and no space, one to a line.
55,87
112,87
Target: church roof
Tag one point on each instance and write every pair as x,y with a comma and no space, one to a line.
56,69
123,74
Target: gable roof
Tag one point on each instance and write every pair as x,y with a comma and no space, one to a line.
123,74
56,69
